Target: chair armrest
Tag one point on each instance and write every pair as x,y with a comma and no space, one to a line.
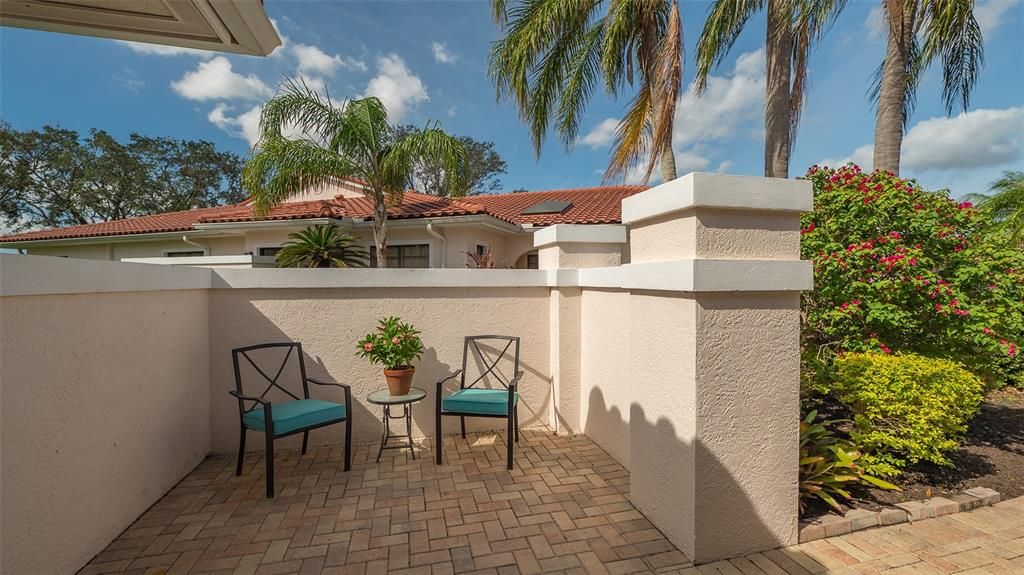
334,383
344,387
440,383
258,400
515,381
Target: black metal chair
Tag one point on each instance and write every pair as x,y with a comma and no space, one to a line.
297,415
470,401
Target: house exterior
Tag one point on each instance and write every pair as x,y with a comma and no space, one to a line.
423,231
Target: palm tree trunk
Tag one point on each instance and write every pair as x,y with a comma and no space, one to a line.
380,229
889,119
668,164
778,56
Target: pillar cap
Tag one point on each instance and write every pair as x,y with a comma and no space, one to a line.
580,233
704,190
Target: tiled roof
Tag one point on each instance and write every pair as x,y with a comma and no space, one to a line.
601,205
589,205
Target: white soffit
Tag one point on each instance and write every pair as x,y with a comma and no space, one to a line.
240,26
702,190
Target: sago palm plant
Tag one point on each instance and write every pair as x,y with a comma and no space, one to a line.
348,140
919,31
321,246
554,53
794,27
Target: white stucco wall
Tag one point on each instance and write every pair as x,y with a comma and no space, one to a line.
105,406
328,322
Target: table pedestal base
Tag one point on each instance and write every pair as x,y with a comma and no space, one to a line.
386,435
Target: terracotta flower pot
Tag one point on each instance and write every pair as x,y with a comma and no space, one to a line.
399,380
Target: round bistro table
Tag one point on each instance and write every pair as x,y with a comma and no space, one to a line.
384,398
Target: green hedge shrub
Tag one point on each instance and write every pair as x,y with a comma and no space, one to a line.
906,408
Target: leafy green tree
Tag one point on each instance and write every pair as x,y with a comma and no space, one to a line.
794,27
554,53
901,269
55,177
1005,205
353,140
918,32
321,246
482,167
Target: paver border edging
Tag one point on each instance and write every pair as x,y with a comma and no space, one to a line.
857,519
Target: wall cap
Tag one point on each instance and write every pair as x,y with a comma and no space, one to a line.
46,275
579,233
704,190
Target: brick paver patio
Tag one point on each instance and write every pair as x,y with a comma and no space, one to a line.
563,509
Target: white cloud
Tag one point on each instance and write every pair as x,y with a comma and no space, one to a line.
690,161
313,60
990,14
453,111
161,50
724,166
602,135
396,86
975,139
970,140
215,80
727,103
442,54
245,125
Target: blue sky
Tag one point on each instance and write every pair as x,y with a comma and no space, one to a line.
428,60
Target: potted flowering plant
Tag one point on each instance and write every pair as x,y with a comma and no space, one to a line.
394,345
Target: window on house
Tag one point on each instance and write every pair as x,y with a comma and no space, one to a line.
532,263
404,256
269,251
185,254
481,249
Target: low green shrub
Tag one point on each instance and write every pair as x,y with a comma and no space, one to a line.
828,464
906,408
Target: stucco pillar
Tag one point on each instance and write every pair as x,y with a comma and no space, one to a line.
566,246
714,360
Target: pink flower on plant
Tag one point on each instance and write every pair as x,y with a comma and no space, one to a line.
885,349
964,205
895,235
987,331
367,346
396,340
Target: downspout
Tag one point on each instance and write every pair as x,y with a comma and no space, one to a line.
444,243
206,249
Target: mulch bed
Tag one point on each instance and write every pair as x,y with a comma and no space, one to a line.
991,455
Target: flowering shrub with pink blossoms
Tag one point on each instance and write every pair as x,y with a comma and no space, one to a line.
901,269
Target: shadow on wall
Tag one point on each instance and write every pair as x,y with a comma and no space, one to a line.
687,492
329,322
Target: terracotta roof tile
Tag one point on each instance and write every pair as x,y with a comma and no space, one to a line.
599,205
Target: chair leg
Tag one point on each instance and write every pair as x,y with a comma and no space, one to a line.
241,452
462,422
511,438
348,443
437,438
270,466
305,441
515,413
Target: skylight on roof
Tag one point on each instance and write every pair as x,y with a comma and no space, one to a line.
547,207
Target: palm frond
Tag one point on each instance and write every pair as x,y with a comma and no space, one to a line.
812,19
1005,204
432,142
298,106
321,246
632,137
951,31
582,70
725,21
282,167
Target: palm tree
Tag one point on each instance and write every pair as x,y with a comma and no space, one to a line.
794,27
918,32
321,246
555,52
1005,206
353,140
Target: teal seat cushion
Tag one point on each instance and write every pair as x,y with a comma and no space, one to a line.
293,415
482,401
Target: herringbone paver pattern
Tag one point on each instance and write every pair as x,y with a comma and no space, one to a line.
562,509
